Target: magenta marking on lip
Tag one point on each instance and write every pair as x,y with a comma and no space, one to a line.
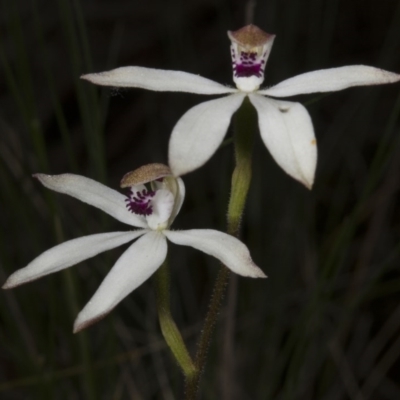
140,202
246,70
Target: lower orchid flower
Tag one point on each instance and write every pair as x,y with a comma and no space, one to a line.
285,127
152,209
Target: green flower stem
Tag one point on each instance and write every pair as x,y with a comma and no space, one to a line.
168,327
245,126
245,120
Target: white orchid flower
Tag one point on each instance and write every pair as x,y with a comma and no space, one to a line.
153,211
285,127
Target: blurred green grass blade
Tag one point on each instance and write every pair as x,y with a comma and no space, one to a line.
86,94
20,84
59,114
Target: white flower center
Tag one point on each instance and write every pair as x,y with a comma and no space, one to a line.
155,205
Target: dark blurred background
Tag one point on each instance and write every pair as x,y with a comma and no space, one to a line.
326,323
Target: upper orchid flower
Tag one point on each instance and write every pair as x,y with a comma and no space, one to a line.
152,209
285,127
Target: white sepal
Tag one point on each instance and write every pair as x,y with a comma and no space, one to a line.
226,248
134,267
287,131
94,193
199,133
330,80
158,79
69,253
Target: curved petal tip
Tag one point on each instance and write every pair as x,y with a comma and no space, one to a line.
308,185
18,278
257,272
81,323
9,284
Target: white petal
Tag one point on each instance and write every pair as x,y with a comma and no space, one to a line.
287,131
162,204
93,193
69,253
134,267
330,80
158,79
226,248
198,134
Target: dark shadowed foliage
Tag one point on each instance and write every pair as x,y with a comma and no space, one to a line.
325,325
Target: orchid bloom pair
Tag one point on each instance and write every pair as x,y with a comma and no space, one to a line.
156,192
285,127
151,208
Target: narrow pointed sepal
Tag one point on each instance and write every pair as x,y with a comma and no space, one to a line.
331,80
69,253
226,248
94,193
287,131
133,268
157,79
199,133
